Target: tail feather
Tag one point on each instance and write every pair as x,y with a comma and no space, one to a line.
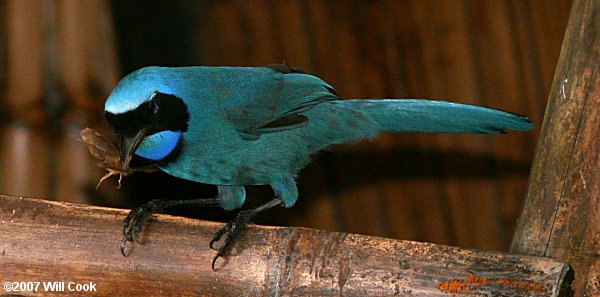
413,115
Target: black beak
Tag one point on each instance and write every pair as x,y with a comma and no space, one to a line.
128,146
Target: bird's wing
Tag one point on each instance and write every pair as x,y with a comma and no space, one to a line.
298,92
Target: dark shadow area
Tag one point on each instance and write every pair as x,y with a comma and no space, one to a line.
159,34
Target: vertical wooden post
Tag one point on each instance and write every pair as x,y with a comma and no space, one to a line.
561,215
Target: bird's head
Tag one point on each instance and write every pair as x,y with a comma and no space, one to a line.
146,115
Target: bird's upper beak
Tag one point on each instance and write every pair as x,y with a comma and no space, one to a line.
128,146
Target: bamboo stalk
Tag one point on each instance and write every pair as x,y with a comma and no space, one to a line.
56,241
23,150
561,214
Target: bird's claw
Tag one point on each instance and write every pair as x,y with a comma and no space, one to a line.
234,228
220,234
132,225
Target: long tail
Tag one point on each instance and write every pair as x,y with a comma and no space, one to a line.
340,121
413,115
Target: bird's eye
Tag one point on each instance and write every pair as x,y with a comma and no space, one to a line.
154,108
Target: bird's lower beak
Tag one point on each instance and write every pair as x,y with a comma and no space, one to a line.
128,146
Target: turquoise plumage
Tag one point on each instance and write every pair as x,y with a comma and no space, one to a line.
259,125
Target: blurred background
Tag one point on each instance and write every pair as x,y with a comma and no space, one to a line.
59,60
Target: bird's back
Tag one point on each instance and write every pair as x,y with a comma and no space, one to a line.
223,101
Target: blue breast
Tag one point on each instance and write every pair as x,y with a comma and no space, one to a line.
159,145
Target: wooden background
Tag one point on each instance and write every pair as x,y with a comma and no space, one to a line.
59,60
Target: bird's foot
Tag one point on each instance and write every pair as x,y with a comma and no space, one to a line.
234,228
132,225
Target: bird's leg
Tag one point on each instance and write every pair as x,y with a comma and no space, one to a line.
132,225
236,226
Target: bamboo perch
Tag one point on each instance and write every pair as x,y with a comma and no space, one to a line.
54,241
561,214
